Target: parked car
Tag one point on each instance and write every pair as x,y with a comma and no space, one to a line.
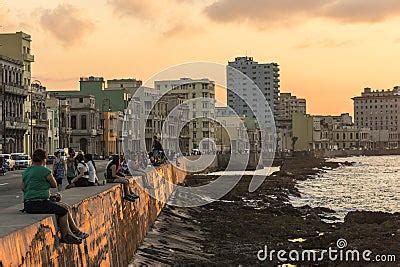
50,159
8,161
21,160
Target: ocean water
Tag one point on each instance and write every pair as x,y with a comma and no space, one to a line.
372,184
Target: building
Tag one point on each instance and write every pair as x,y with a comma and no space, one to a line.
379,111
108,99
328,133
231,135
288,105
109,133
13,96
199,96
52,131
18,46
84,124
265,77
38,118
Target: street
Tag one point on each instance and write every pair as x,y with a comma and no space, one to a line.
11,194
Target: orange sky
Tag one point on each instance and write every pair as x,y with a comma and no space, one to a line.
328,50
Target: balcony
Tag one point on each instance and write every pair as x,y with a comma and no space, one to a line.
29,57
15,125
14,89
66,130
91,132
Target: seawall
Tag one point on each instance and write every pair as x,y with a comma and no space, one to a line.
116,227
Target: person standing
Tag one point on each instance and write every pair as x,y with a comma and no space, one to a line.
59,170
93,180
71,165
36,183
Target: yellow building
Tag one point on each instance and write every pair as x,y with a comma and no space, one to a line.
109,130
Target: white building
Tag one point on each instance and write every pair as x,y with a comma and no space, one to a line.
200,97
265,77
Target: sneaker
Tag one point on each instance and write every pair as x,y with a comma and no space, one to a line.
129,198
81,235
70,239
134,196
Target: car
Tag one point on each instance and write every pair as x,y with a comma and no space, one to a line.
50,159
9,162
21,160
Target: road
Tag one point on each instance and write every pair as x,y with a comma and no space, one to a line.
11,194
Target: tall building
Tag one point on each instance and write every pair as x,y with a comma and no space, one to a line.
199,95
18,46
264,76
13,96
379,111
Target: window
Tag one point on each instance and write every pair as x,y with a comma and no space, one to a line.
83,122
73,122
80,100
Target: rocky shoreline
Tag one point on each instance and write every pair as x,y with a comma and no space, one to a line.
233,230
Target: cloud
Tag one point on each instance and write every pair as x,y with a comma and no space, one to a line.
133,8
362,11
66,23
324,43
169,18
284,12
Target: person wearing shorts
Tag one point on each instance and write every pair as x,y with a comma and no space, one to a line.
36,183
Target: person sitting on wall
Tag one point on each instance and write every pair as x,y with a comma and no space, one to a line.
82,179
36,183
93,180
112,176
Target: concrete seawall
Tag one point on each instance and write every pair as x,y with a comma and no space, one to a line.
116,227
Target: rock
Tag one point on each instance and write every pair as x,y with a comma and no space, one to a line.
369,217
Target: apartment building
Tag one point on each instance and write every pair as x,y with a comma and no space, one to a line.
242,95
199,95
18,46
13,96
379,111
38,120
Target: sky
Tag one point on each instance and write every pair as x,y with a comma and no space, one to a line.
328,50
